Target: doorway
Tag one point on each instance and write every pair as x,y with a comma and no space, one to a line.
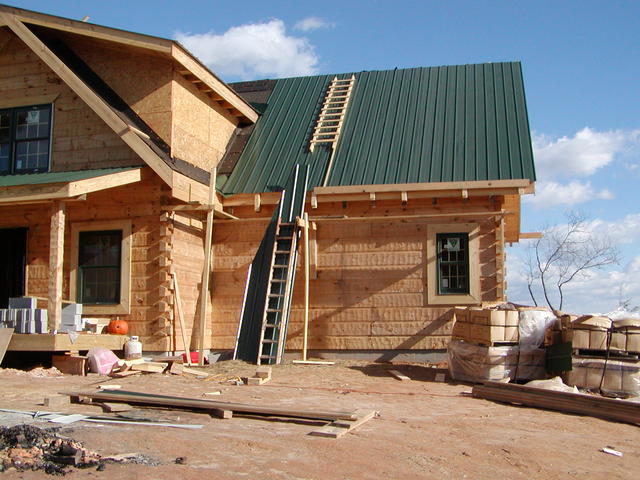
13,261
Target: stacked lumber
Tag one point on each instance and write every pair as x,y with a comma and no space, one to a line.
579,403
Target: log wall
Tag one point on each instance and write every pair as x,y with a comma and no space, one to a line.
370,291
139,203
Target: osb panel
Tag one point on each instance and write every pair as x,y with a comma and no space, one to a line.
201,128
142,80
512,221
140,204
370,291
81,140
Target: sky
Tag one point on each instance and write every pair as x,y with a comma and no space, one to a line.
581,65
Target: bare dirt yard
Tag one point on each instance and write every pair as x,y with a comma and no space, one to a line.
425,429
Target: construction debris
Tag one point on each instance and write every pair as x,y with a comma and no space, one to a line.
262,376
338,428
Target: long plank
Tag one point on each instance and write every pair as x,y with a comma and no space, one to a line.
5,339
195,403
206,269
583,404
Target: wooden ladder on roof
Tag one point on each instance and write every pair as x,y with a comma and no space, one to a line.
279,293
332,113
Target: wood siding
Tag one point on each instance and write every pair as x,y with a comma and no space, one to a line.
370,291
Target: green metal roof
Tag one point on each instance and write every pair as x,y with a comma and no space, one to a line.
437,124
57,177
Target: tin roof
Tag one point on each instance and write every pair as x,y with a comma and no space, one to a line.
435,124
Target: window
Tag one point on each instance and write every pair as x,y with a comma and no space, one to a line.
453,276
101,266
25,139
99,255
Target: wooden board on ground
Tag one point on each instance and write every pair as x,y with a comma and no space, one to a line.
128,373
200,404
398,375
313,362
150,367
253,381
196,372
5,339
115,407
338,428
62,342
580,403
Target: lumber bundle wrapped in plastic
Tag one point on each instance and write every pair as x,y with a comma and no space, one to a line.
477,363
588,332
485,326
625,335
618,376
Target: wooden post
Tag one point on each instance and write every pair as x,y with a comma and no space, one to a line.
56,258
206,268
306,286
178,306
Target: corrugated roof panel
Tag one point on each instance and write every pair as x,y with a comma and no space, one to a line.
438,124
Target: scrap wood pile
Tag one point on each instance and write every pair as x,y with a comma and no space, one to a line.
27,447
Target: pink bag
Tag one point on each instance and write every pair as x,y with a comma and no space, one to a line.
101,360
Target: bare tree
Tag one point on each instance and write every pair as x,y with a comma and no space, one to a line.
565,253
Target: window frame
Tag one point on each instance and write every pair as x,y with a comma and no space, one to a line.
124,306
434,297
464,237
13,141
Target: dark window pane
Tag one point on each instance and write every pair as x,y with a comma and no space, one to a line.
4,157
32,123
452,263
99,266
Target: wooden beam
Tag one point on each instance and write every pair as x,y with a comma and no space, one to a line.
206,268
91,30
465,215
185,59
306,287
426,186
256,202
94,101
56,259
527,235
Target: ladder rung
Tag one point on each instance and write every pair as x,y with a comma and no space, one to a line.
281,266
275,295
273,310
282,252
284,237
267,356
278,280
271,325
269,341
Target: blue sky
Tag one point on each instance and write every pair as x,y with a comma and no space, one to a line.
581,62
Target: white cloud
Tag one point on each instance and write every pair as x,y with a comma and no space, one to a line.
595,292
623,231
581,155
552,194
312,23
255,50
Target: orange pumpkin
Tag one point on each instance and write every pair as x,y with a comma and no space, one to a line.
118,327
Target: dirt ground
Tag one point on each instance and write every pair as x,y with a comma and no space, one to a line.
426,429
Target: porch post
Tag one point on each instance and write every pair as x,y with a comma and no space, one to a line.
56,257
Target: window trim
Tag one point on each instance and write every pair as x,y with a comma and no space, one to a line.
124,307
433,296
13,142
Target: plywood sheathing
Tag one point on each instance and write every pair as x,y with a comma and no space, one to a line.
370,291
201,127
